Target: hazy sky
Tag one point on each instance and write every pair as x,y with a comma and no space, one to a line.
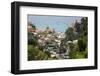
59,23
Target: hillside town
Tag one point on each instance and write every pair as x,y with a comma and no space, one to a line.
51,40
49,44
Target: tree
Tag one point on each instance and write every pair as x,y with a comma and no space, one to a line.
83,39
70,34
77,27
33,26
32,39
82,44
34,53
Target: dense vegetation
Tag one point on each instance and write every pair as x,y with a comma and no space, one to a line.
80,33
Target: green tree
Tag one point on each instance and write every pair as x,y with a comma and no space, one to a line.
82,44
34,53
70,34
33,26
32,39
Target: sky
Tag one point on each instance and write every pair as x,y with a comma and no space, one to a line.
59,23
